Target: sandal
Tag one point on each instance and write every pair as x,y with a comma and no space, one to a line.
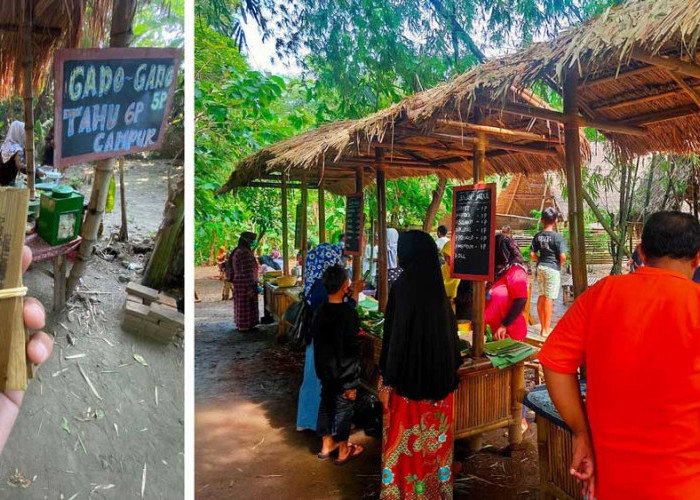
352,454
326,456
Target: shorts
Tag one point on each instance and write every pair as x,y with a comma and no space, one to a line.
548,282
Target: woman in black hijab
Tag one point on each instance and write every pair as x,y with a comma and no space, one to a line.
419,362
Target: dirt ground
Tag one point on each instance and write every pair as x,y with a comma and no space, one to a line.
72,442
246,443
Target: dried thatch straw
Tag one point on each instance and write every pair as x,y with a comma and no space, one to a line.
57,24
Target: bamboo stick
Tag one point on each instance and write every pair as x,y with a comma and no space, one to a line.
357,259
321,212
124,230
304,223
382,272
28,97
285,227
13,335
479,287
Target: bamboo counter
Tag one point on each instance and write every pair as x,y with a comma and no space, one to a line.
277,300
487,398
554,448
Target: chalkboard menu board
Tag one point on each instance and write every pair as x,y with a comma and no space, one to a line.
111,102
353,224
297,228
473,231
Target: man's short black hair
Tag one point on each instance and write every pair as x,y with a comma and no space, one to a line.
334,278
441,231
671,234
549,215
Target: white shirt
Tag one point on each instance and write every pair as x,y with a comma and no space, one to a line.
366,263
441,242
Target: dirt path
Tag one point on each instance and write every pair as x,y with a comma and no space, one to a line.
246,443
70,442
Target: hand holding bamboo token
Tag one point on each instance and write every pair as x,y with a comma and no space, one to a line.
14,369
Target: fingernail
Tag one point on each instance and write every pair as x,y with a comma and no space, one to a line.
41,351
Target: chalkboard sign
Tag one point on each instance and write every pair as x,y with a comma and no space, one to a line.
111,102
353,224
473,232
297,228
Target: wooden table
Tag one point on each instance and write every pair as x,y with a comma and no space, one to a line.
43,251
277,300
487,398
554,448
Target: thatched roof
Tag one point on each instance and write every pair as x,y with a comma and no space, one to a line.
412,148
624,58
57,24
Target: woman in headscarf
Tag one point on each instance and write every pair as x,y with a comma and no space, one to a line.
222,265
12,154
244,278
418,364
317,261
507,296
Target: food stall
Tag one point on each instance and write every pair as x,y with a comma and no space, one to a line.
429,133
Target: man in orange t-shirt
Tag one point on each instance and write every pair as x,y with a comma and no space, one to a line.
638,437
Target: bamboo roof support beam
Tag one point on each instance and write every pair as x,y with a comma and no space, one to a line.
556,116
690,91
662,116
285,227
321,212
682,67
382,264
479,287
357,259
590,82
493,130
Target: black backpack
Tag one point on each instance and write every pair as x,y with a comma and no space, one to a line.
299,315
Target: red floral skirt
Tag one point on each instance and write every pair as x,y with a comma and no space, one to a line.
417,449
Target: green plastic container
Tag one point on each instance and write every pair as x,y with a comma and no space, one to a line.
61,215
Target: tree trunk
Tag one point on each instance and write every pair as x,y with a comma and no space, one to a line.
124,230
121,35
601,218
435,202
166,265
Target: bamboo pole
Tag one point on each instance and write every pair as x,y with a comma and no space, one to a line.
479,287
670,63
493,130
382,271
124,230
572,146
304,223
28,97
357,259
285,228
13,335
321,212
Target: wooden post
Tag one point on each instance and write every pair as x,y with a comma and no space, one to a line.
120,35
285,228
13,336
479,287
27,27
304,222
517,390
357,259
572,146
321,213
382,271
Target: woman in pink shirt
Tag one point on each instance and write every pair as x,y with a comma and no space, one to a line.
507,296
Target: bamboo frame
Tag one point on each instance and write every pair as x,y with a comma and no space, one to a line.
682,67
520,134
690,91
